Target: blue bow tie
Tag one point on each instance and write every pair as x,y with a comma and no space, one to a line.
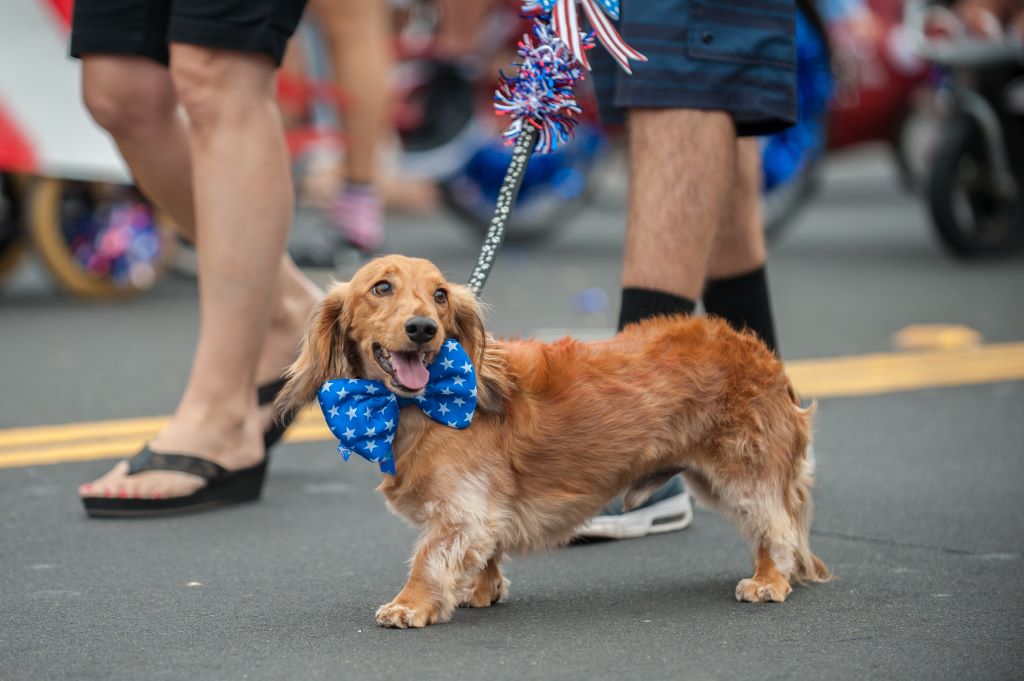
363,414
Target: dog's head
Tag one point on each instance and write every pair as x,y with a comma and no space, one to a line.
386,324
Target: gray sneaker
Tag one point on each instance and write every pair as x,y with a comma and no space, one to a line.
667,510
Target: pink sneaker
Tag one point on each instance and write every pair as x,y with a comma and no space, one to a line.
358,215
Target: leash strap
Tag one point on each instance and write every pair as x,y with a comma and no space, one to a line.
521,152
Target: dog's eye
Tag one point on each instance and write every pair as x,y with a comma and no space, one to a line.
382,288
440,296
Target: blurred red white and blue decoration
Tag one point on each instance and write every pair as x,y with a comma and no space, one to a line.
64,188
540,98
116,237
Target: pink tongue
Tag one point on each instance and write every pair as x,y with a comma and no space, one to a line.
409,370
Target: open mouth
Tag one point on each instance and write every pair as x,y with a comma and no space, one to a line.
407,368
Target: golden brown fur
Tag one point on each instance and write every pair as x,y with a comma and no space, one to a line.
561,429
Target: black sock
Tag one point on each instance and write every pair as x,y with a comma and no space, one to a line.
743,302
641,303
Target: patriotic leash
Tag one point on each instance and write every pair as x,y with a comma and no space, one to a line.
540,99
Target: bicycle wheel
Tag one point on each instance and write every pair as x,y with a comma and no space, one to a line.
970,216
790,159
97,240
12,242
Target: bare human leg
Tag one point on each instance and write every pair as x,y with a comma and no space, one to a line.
358,39
739,245
682,164
134,99
737,287
356,33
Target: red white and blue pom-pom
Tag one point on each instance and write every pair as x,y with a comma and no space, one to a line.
542,93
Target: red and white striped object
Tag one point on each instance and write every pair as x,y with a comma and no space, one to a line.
565,20
44,127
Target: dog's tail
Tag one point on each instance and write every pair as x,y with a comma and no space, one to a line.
808,568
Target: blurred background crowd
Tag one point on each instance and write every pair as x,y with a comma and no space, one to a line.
388,111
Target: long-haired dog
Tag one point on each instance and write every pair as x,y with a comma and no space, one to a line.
560,430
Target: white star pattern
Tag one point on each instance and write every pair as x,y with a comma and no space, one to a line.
452,424
446,391
342,393
390,438
367,413
467,367
372,389
448,363
351,413
333,411
327,387
443,409
389,424
473,392
349,433
458,380
459,401
371,445
370,432
452,344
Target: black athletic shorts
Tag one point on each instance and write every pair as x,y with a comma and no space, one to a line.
737,56
146,27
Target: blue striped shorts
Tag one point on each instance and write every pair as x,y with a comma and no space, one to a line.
737,56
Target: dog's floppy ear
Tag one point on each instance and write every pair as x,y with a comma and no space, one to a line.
324,354
493,384
468,325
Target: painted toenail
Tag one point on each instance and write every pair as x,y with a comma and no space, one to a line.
87,485
122,495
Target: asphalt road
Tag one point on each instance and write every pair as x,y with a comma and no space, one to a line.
918,497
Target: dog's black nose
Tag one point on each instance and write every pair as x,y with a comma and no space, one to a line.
420,329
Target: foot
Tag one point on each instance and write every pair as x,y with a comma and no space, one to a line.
666,510
358,215
232,440
322,247
488,590
763,589
399,614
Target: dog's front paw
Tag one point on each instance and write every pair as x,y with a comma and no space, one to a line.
487,591
763,590
397,615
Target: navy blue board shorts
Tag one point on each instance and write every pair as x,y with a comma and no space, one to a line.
145,27
737,56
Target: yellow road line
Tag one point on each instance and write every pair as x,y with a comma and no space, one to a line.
71,432
897,372
820,378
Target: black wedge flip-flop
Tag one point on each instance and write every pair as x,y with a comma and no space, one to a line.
222,486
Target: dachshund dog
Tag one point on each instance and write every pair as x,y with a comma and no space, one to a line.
560,430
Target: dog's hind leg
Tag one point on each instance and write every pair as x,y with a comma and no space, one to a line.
775,518
768,584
